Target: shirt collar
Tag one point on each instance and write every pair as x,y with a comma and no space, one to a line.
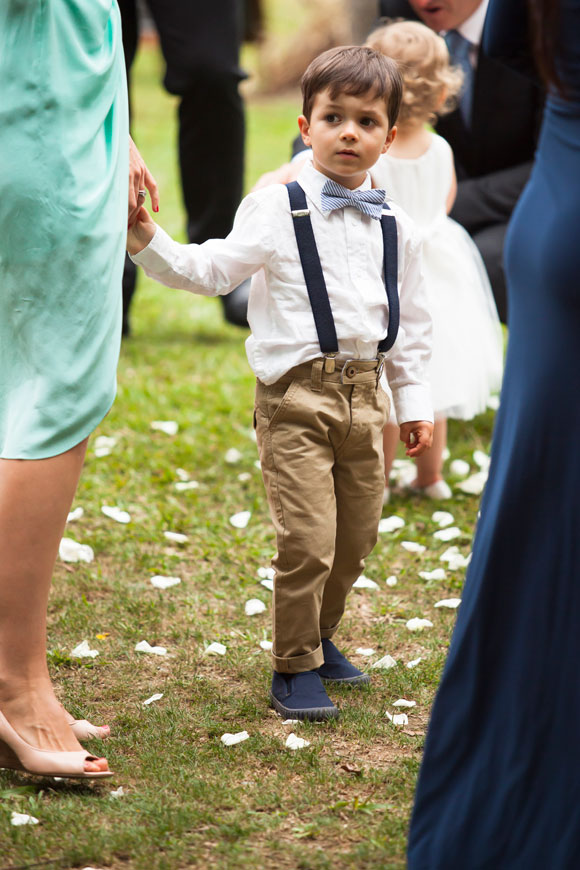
312,181
472,27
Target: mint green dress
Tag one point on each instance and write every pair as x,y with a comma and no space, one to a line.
63,220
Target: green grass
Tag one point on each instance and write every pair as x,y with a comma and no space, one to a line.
344,801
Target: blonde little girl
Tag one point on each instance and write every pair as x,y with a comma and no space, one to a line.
418,174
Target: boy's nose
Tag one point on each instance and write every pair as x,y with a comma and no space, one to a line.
349,131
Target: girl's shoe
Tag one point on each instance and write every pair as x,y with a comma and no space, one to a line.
17,754
85,730
439,490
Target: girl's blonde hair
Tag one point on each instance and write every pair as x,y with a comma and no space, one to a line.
431,84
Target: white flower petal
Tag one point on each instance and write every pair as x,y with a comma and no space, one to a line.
364,651
459,468
115,513
232,456
145,647
435,574
75,515
241,519
385,663
293,742
170,427
185,485
258,464
448,534
83,651
481,459
400,719
473,485
156,697
266,644
183,474
413,547
448,602
105,441
254,606
266,573
215,649
418,624
290,721
118,793
402,702
177,537
19,819
161,582
442,518
454,558
493,403
245,475
391,581
72,551
446,454
391,524
267,584
414,662
364,583
231,739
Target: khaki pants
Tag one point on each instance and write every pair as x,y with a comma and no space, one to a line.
321,451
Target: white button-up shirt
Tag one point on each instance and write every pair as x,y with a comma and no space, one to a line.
262,243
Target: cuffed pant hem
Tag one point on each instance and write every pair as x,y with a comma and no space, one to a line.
329,632
298,664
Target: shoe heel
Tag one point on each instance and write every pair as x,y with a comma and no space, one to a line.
8,759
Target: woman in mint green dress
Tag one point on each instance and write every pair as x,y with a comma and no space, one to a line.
64,166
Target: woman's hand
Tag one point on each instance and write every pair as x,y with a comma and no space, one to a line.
140,179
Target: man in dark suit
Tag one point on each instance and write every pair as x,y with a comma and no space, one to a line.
494,140
200,43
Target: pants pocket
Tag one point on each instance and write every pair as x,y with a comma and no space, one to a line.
273,400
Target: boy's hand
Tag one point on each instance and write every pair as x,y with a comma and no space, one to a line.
417,436
141,233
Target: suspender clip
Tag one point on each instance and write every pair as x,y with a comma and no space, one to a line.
300,212
329,364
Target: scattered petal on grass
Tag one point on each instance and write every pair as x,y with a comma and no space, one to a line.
391,524
435,574
161,582
254,606
103,445
454,558
156,697
402,702
481,459
448,602
231,739
474,484
391,581
418,624
183,474
414,662
442,518
365,583
170,427
75,515
241,519
459,468
72,551
215,649
493,403
145,647
115,513
267,584
185,485
446,454
398,719
118,793
266,573
448,534
83,651
413,547
385,663
266,644
364,651
258,464
19,819
294,742
103,635
232,456
244,476
290,721
176,537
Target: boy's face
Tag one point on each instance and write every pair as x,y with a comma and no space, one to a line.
347,135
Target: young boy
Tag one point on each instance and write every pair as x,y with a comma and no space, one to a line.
323,252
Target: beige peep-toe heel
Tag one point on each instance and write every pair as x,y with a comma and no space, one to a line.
17,754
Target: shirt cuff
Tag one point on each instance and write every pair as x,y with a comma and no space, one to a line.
413,402
155,255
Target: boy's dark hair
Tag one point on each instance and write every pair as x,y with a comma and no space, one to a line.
353,70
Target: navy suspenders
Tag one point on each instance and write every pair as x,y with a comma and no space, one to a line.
315,284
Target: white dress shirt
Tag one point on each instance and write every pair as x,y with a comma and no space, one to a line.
262,243
472,30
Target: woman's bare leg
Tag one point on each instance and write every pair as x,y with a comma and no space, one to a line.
35,498
430,463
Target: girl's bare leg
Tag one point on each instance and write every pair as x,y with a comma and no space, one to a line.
35,498
430,463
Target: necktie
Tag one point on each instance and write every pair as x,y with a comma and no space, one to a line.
369,202
459,48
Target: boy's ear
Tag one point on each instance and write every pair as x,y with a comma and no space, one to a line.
389,140
304,127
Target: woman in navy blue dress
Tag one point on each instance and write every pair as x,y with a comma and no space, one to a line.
499,787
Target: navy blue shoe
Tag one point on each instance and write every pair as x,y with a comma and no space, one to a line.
301,696
338,669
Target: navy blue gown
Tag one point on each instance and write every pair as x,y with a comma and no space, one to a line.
499,787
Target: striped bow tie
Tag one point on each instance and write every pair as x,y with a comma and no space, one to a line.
369,202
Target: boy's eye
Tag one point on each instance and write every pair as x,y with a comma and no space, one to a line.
368,122
331,118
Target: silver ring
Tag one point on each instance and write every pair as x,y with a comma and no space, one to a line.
142,193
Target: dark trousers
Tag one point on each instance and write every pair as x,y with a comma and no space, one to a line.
200,44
